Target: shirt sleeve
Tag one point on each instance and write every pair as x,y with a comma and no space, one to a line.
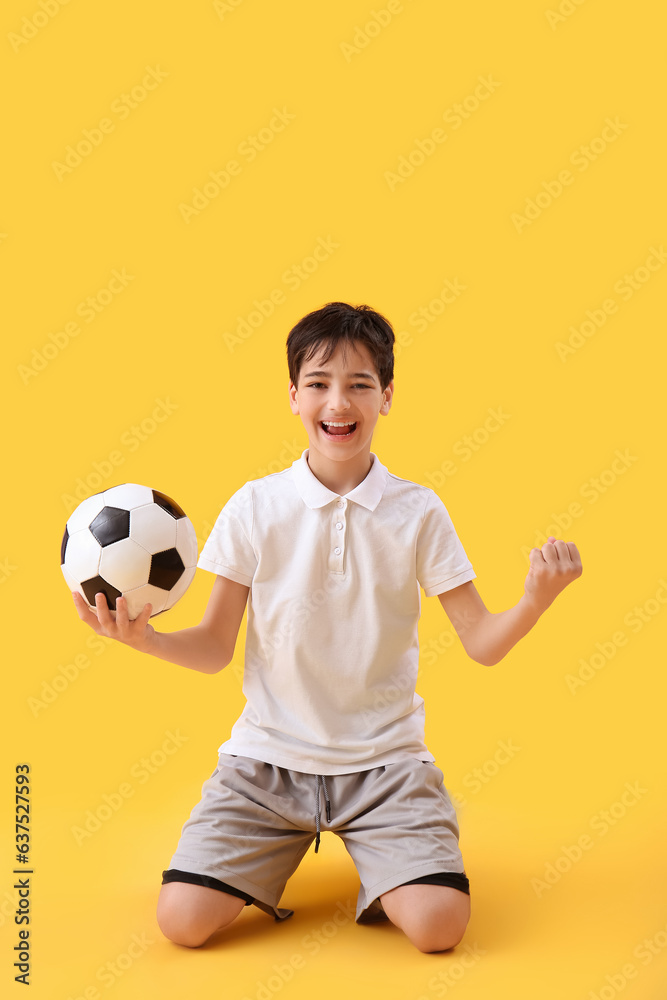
442,563
228,550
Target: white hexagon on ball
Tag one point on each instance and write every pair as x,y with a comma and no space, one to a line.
128,496
139,598
153,528
125,565
83,555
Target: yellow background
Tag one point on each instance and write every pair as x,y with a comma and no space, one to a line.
356,112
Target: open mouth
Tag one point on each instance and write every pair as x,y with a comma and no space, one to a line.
338,433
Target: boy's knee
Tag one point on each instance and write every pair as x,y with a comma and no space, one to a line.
442,930
433,918
189,914
437,935
178,925
187,933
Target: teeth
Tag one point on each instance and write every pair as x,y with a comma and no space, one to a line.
338,423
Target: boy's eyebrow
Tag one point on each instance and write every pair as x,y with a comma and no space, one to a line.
351,375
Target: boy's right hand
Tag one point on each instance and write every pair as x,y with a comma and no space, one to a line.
136,633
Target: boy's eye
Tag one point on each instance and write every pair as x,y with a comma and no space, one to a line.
359,385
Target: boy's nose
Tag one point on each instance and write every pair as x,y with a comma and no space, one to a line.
338,401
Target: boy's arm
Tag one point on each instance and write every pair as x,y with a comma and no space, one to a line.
488,637
207,647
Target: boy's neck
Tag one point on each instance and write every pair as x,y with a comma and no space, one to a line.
340,477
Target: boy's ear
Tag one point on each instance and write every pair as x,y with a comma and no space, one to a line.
386,398
294,406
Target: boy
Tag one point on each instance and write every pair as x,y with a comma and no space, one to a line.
329,555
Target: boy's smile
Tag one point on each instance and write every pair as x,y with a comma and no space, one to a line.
345,390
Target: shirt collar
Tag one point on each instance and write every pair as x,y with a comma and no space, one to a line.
315,494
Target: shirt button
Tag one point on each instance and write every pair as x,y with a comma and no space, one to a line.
340,503
337,551
339,524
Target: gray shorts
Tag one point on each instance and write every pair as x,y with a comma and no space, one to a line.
255,822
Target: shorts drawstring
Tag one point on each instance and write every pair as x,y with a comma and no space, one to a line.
321,778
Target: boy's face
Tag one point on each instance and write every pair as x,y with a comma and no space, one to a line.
344,389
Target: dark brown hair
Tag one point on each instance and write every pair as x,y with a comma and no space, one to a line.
340,323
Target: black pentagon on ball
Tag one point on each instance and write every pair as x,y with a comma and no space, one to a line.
166,569
168,504
111,525
63,546
96,585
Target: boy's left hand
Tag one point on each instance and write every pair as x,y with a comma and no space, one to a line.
552,567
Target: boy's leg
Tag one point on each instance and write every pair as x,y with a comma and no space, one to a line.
404,843
239,847
188,914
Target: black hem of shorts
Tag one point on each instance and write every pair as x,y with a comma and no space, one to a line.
174,875
458,880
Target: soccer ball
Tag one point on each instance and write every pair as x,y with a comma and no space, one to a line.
132,541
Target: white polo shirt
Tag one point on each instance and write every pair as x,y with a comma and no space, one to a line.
331,653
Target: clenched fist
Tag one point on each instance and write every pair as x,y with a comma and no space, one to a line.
552,567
